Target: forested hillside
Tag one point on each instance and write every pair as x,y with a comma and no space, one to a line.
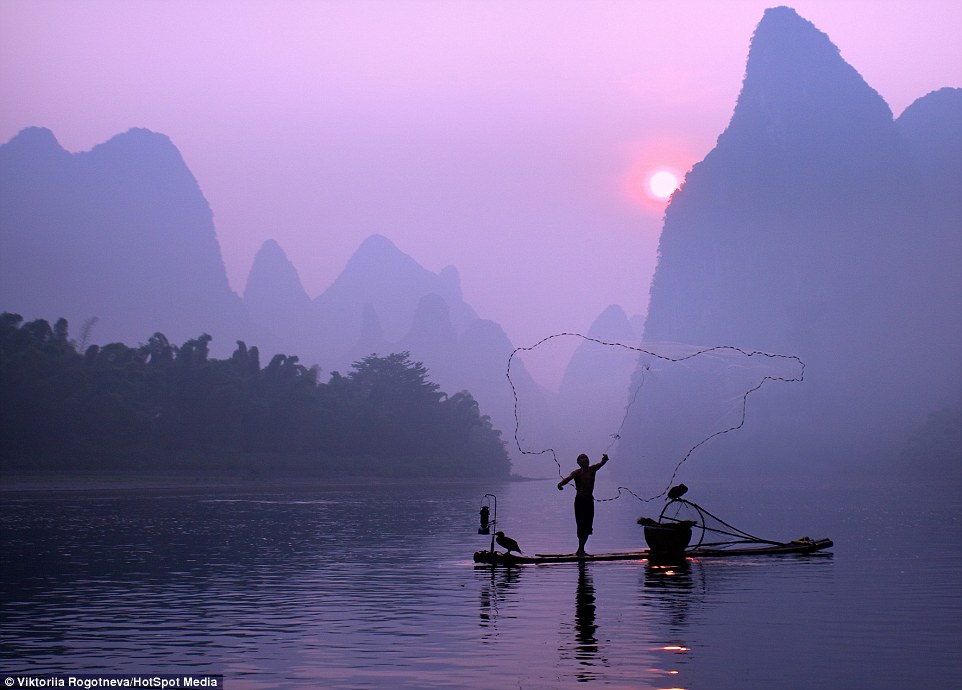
159,407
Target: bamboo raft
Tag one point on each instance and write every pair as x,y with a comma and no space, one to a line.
668,540
801,546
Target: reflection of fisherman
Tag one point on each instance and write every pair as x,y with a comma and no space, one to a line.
584,478
587,649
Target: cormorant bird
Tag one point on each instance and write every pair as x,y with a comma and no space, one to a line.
677,491
507,542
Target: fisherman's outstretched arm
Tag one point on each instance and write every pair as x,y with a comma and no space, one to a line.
604,459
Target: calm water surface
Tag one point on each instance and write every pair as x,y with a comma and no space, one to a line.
374,586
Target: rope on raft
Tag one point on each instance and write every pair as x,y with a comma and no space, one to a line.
741,536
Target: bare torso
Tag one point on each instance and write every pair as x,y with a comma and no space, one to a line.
584,479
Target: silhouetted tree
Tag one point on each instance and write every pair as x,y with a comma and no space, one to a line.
163,406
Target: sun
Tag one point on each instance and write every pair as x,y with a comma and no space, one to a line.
661,184
653,172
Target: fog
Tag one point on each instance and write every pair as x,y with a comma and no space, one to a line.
816,228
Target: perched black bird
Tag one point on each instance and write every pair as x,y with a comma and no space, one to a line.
507,542
677,491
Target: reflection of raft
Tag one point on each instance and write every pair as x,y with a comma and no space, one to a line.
669,540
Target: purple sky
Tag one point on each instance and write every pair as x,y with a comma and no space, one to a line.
510,139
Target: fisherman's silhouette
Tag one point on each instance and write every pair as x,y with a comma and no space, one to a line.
584,479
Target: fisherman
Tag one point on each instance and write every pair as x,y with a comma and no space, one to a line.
584,479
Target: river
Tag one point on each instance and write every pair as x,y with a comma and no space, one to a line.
373,586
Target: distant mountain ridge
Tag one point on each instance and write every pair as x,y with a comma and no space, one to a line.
121,233
384,301
818,226
822,227
594,391
393,283
274,292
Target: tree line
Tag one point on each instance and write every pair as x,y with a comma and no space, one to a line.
160,407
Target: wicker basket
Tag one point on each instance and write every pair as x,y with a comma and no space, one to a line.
667,537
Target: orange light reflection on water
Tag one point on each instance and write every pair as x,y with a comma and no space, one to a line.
665,672
675,648
678,649
668,673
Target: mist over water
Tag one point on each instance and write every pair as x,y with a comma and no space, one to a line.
819,226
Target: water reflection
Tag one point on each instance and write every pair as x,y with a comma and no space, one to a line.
587,650
671,588
374,587
585,615
497,584
675,591
503,601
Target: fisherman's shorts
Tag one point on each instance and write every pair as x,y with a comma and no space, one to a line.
584,515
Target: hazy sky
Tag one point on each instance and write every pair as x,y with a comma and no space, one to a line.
511,139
